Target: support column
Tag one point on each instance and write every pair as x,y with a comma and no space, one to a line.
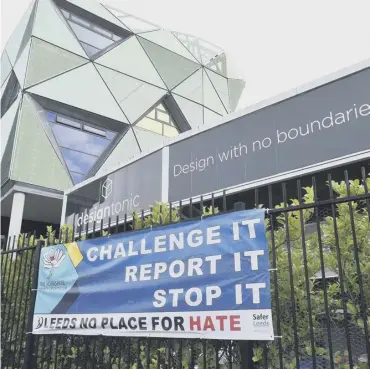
16,215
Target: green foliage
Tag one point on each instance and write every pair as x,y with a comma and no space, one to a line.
161,214
337,237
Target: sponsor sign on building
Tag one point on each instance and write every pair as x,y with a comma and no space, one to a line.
132,188
201,279
326,123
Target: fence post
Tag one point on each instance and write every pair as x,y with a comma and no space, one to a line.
246,354
30,339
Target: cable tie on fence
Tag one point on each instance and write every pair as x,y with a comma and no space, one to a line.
267,210
273,270
278,337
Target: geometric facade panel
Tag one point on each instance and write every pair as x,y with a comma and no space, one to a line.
193,112
137,65
97,9
6,67
172,67
167,40
210,117
220,84
20,67
80,143
148,140
210,96
134,96
47,60
83,88
90,86
236,87
126,148
50,26
35,161
7,122
192,87
7,150
15,41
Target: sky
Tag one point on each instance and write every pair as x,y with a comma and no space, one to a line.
276,45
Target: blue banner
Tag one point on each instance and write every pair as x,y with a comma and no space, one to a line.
206,278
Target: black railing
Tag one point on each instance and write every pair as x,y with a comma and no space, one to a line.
320,288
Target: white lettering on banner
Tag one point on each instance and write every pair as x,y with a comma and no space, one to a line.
172,242
175,268
192,297
254,259
251,228
255,287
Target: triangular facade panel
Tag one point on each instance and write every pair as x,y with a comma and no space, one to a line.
50,26
20,67
236,87
9,93
126,148
167,40
98,9
221,86
7,152
135,97
192,87
15,41
7,122
47,61
148,141
130,58
6,67
210,117
172,67
35,160
211,99
83,88
193,112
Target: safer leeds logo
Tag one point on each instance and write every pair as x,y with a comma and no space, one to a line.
53,258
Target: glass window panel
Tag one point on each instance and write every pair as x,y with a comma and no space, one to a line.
102,31
90,50
79,140
77,177
169,131
89,37
80,21
78,162
116,38
163,116
111,135
161,107
151,125
97,131
68,121
51,116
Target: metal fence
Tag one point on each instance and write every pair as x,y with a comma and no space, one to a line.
320,288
